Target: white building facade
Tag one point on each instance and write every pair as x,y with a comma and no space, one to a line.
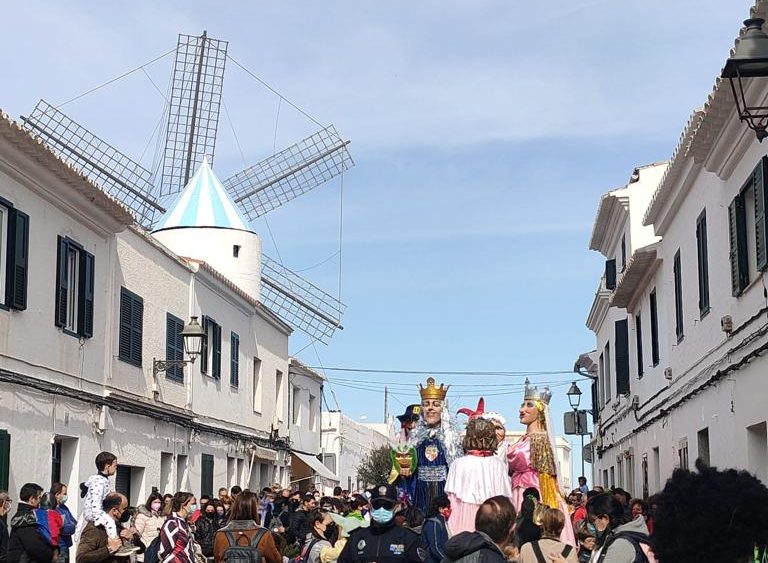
682,330
346,444
89,301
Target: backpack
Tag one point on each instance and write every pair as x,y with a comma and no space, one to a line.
303,556
275,521
540,556
152,551
236,552
641,543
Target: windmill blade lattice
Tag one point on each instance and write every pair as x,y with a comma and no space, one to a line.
116,173
193,113
298,302
289,173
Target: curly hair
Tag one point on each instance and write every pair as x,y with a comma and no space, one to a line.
711,515
481,435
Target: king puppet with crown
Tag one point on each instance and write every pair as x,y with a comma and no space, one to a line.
421,467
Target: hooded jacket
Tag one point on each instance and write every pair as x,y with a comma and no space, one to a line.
473,547
27,544
621,550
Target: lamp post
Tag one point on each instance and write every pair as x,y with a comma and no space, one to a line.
749,60
574,398
193,335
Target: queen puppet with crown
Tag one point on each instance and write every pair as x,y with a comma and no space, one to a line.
532,461
422,467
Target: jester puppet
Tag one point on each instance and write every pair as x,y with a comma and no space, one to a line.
420,467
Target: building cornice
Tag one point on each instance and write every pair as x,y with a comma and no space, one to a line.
643,263
297,367
600,305
612,213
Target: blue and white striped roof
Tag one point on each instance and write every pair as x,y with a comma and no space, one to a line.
203,203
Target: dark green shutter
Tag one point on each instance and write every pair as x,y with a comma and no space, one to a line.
653,305
206,474
61,281
5,459
86,295
204,346
131,327
216,368
234,364
16,296
639,342
595,402
738,238
622,357
174,346
701,247
124,344
610,274
678,281
137,329
761,208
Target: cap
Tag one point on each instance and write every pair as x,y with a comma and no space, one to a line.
411,413
384,492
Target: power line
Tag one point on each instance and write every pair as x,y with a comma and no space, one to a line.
438,372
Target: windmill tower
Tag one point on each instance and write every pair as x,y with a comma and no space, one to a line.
210,220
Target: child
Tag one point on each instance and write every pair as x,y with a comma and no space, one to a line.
93,491
586,539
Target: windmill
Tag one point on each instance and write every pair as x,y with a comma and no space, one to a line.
189,139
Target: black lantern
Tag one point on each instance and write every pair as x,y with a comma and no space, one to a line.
749,60
574,396
193,335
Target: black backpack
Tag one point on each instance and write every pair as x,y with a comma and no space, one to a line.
635,538
540,556
236,552
152,551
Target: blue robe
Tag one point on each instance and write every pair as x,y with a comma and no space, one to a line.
429,480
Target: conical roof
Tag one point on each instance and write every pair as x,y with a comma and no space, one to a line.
203,203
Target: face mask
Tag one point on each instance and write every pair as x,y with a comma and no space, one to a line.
191,508
220,513
156,506
210,514
382,515
64,499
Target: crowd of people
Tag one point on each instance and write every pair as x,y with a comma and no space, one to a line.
449,498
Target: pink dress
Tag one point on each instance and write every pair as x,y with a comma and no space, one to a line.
524,476
473,479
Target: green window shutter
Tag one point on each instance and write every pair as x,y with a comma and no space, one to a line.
678,280
61,282
137,329
234,372
701,247
761,208
622,357
131,327
610,274
639,342
206,474
174,346
5,459
18,272
653,305
216,368
204,346
86,295
738,243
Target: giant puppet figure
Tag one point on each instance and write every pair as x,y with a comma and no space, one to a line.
532,460
421,467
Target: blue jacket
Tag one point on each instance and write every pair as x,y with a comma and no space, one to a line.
69,526
435,532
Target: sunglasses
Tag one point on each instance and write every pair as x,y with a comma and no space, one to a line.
382,503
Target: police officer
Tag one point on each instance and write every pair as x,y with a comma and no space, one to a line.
383,541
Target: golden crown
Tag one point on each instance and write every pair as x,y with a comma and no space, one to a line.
533,393
431,391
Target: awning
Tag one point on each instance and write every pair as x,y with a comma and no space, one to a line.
316,466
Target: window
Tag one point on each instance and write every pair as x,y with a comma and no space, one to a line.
174,347
701,250
313,412
234,363
639,344
74,288
329,460
682,454
644,470
131,327
678,276
296,405
622,357
235,250
601,376
5,459
56,461
702,437
607,380
747,215
206,474
623,252
610,274
210,357
656,460
654,328
757,450
14,255
257,385
279,395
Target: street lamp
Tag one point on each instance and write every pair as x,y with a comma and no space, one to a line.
574,398
749,60
193,335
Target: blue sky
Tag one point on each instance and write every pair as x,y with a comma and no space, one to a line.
483,132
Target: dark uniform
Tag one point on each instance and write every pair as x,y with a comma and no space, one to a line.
386,543
383,543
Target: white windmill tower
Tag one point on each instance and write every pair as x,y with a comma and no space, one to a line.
203,205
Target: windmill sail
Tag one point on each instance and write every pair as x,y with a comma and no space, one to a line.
193,114
300,303
116,173
289,173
